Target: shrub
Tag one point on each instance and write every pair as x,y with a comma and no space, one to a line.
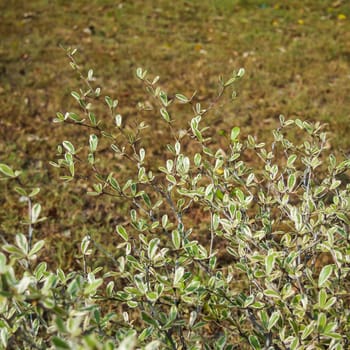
266,265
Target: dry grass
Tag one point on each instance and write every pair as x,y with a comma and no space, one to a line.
296,55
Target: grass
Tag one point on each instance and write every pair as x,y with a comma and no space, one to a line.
296,55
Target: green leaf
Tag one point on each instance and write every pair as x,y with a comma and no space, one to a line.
21,191
122,232
308,330
60,344
92,119
329,303
182,98
91,288
36,209
270,262
148,319
75,95
93,141
322,298
273,319
36,247
291,159
254,342
271,293
85,244
164,113
321,321
22,243
152,248
15,251
69,147
109,102
5,169
176,238
193,286
179,272
34,192
234,133
240,73
291,182
324,275
152,296
114,183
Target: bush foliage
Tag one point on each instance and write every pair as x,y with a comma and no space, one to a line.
266,265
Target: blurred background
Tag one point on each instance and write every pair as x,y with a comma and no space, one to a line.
296,55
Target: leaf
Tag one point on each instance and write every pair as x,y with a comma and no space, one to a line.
148,319
271,293
122,232
15,251
273,319
75,95
109,102
182,98
152,296
91,288
291,159
254,342
69,147
5,169
36,209
60,343
176,238
322,298
164,113
291,182
270,263
37,246
93,141
22,243
21,191
152,248
194,285
308,330
234,133
34,192
179,272
324,275
85,244
240,73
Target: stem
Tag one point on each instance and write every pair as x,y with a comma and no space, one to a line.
30,228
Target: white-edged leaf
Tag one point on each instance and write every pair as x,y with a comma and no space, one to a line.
36,209
152,248
176,238
68,146
234,133
93,141
5,169
270,263
273,319
36,247
122,232
324,275
179,272
164,113
22,242
182,98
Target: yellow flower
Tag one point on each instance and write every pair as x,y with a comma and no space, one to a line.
219,171
341,17
300,21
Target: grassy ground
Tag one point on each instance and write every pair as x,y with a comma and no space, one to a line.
296,55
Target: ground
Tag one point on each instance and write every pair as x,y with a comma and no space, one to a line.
296,56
